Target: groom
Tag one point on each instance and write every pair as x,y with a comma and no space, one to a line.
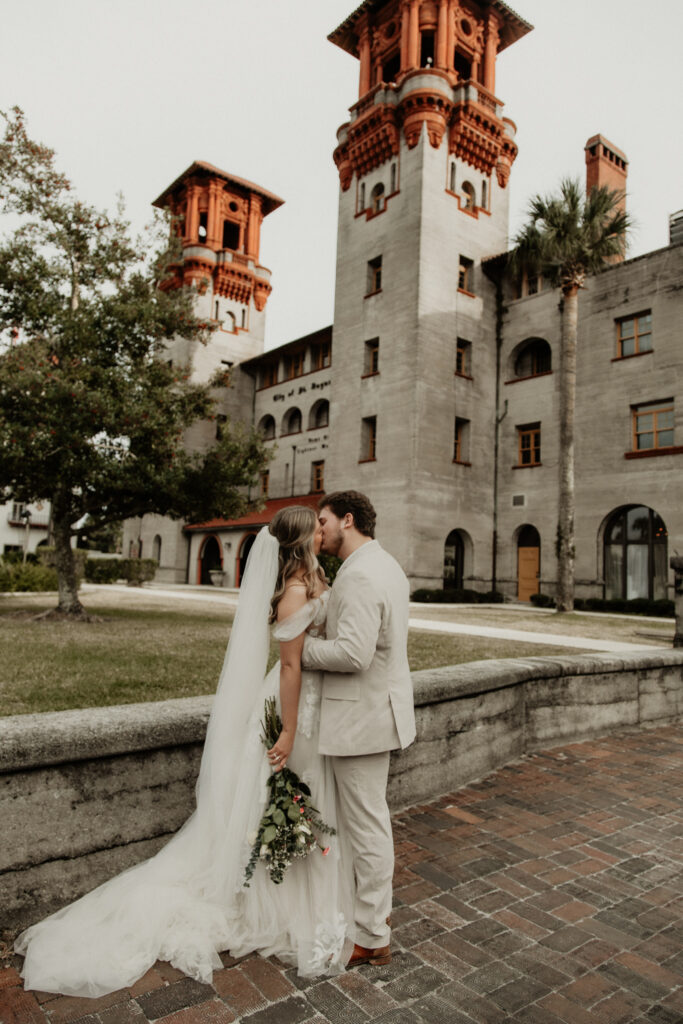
367,703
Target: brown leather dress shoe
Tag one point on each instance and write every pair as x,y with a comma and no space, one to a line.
376,957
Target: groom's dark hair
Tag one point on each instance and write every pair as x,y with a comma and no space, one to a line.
359,505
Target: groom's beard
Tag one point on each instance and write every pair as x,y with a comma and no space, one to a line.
331,545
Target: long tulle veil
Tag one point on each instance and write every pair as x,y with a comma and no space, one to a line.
183,904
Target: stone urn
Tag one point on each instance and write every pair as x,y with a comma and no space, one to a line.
217,577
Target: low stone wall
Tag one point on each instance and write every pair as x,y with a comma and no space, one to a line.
84,794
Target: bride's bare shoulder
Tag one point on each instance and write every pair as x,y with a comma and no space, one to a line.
294,598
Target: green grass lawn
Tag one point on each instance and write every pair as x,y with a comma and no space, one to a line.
142,653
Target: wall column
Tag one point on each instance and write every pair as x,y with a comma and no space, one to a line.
254,227
414,35
405,34
365,63
442,36
192,214
450,35
213,226
491,48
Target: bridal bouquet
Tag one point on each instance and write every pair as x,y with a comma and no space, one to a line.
289,824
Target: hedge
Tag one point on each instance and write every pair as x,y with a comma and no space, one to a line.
15,576
457,596
660,608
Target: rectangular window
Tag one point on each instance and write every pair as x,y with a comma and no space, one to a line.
634,335
463,358
321,356
221,420
18,508
653,425
368,450
297,364
371,360
465,274
269,375
317,477
374,281
265,483
461,441
529,442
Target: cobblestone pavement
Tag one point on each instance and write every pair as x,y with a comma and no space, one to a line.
548,892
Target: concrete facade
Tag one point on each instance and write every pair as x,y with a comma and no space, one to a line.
439,368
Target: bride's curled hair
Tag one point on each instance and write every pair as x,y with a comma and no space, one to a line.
294,528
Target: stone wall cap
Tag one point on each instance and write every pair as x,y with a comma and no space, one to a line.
56,737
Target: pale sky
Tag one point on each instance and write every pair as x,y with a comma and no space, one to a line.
130,92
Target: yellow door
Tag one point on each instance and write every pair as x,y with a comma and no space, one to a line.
528,565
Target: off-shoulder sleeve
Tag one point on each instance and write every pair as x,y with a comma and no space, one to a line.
294,625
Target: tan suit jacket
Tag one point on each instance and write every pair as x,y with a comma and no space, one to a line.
367,693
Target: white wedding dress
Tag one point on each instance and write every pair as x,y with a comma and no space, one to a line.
188,903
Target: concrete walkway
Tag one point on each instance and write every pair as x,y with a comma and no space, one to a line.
548,893
527,637
229,598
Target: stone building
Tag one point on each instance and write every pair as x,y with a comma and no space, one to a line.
435,391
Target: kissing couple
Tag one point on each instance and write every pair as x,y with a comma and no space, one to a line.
343,693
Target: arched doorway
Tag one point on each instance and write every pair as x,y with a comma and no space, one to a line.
453,561
528,562
242,555
635,549
209,558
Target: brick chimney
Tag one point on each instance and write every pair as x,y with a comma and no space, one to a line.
605,165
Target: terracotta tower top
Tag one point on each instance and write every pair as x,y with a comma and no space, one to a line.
219,217
433,63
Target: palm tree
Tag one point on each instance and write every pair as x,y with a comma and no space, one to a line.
568,237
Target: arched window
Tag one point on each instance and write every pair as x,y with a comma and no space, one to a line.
267,428
361,197
534,357
484,195
229,322
210,558
468,192
453,561
635,554
245,547
377,198
291,422
156,549
452,177
319,415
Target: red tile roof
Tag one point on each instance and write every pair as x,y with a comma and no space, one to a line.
258,518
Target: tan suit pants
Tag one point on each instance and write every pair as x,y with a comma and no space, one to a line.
364,817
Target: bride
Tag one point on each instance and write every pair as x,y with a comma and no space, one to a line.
189,902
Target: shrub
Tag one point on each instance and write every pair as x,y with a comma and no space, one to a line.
104,570
16,576
662,607
47,557
462,596
542,600
138,570
330,566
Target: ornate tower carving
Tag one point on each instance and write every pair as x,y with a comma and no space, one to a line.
432,63
218,219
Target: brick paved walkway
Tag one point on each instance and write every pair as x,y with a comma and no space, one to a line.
549,892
